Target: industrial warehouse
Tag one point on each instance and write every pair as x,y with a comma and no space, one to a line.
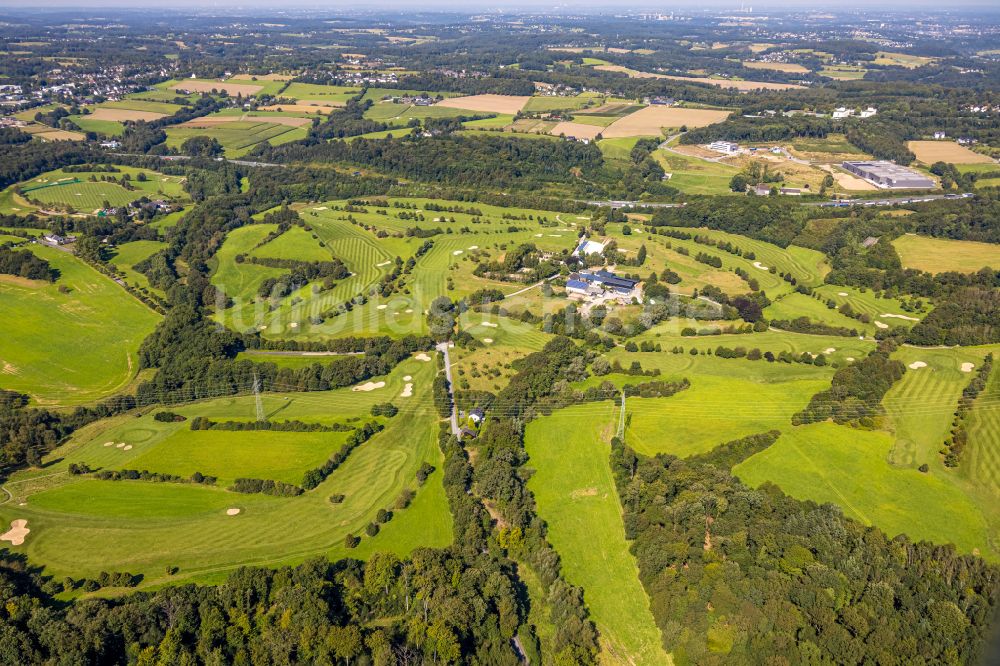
888,175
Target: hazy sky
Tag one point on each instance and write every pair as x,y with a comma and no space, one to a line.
531,5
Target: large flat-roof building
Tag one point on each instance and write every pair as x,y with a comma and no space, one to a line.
889,175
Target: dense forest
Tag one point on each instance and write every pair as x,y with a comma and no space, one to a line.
734,574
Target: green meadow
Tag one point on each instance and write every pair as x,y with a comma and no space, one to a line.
127,255
70,348
81,526
238,137
75,192
577,498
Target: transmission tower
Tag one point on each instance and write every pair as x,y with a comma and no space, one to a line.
256,395
621,419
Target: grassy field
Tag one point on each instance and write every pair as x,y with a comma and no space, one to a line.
891,59
446,269
577,498
129,254
825,462
109,127
75,192
981,464
794,305
844,72
547,104
73,348
80,526
937,255
727,399
696,176
238,137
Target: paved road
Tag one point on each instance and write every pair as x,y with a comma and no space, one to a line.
843,203
443,348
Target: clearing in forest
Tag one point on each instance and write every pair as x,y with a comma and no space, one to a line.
578,500
939,255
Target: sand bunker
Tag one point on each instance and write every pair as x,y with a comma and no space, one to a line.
761,266
829,350
294,324
18,530
490,324
384,263
382,307
841,293
232,512
457,252
407,378
109,443
896,316
409,311
967,367
881,325
473,247
851,359
488,341
916,365
320,208
127,447
120,445
407,391
422,357
368,386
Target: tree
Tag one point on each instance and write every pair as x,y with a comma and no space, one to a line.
738,183
345,642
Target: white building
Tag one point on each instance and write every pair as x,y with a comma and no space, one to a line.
725,147
588,247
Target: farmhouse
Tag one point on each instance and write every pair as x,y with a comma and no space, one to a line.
889,175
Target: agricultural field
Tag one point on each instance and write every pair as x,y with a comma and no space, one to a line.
247,89
653,120
70,348
308,93
937,255
893,59
930,152
739,84
843,72
238,136
788,67
82,525
577,498
509,104
546,104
